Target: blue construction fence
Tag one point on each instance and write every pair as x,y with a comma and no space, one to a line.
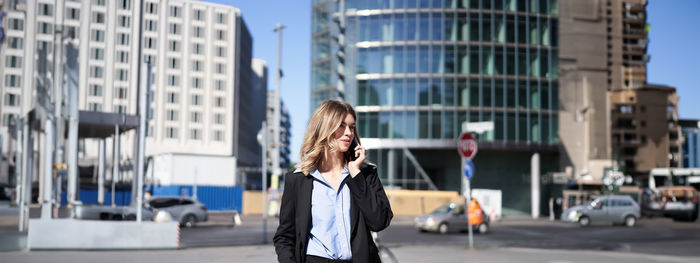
213,197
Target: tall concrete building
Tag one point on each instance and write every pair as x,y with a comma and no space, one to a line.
415,71
204,100
602,49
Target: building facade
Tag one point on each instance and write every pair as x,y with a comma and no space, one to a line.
204,101
417,70
691,143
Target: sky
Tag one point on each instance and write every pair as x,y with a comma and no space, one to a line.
674,48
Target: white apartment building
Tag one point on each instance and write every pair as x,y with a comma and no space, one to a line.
201,54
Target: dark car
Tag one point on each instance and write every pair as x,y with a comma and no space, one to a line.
183,209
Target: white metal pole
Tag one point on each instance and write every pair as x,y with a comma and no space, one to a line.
115,160
143,108
48,160
101,172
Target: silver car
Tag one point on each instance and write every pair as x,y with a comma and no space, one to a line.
616,209
183,209
448,218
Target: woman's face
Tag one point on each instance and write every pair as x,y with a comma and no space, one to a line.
345,133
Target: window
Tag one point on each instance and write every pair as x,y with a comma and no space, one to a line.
12,81
174,46
221,34
122,75
16,24
11,100
218,136
197,48
95,72
173,63
171,115
150,43
174,29
98,17
13,62
151,25
97,35
95,90
219,118
173,80
171,132
196,65
219,102
196,83
120,93
175,11
45,28
196,117
122,57
45,10
173,98
220,51
221,18
199,15
123,39
152,8
197,31
195,134
124,21
220,68
124,4
15,43
73,14
220,84
95,106
196,100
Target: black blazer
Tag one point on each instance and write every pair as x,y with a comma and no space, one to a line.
369,211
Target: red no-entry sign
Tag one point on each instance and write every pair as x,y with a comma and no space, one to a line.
467,146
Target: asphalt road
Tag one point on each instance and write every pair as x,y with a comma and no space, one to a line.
658,236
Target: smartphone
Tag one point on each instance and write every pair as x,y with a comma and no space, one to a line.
353,144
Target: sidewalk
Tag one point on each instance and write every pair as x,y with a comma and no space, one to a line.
404,254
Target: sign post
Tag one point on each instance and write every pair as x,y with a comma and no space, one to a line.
467,147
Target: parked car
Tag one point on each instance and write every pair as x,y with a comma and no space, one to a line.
616,209
183,209
679,202
451,217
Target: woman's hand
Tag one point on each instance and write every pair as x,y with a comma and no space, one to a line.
354,166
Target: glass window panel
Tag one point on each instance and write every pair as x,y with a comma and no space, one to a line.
436,125
384,124
449,92
397,124
424,24
423,91
411,93
399,27
436,92
398,60
448,125
423,124
424,59
463,93
411,32
437,26
411,125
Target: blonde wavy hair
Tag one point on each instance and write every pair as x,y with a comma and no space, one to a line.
320,134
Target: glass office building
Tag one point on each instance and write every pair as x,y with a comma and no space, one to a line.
416,70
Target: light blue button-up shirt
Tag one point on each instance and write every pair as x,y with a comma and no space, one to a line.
330,219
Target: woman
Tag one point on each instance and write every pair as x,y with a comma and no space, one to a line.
333,199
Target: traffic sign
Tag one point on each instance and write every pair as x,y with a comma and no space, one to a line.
468,169
467,146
